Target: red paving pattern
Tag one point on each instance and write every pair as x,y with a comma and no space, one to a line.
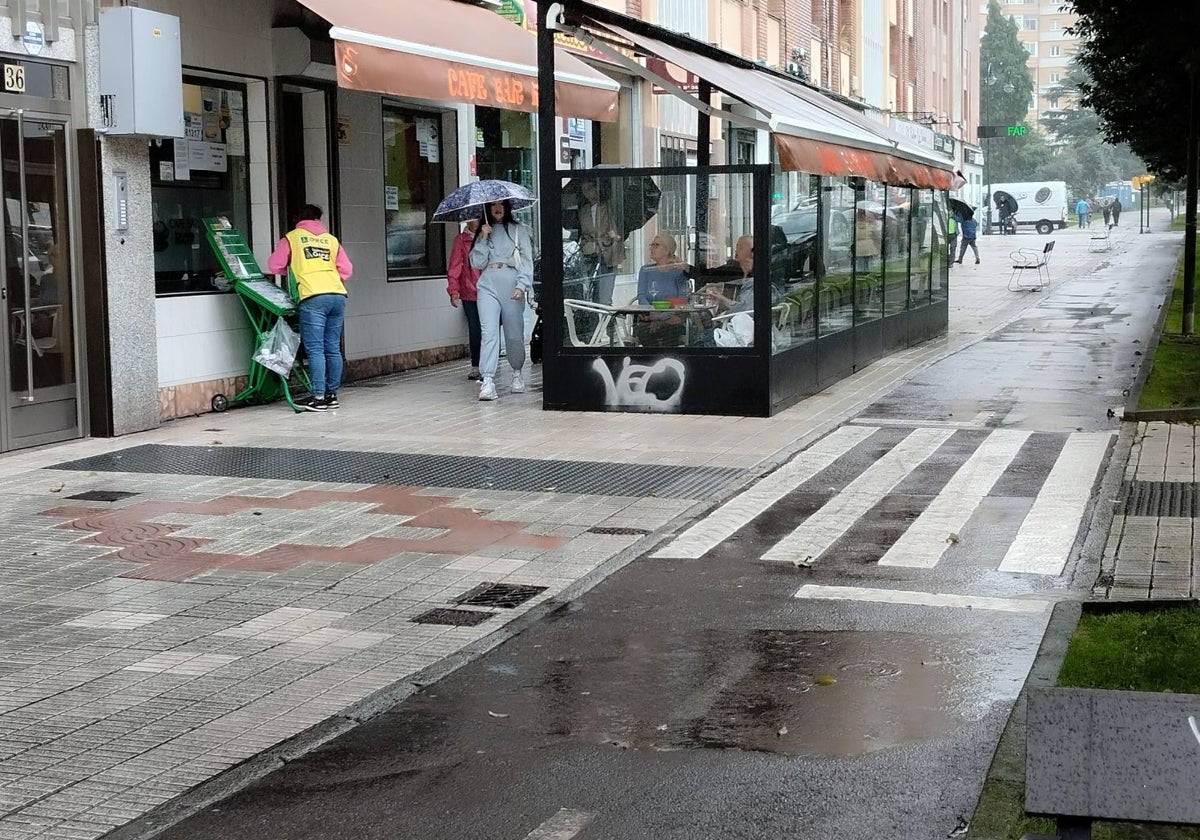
162,556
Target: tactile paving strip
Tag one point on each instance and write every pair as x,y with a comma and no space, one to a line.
519,474
1161,498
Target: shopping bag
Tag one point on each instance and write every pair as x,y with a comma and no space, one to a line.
277,351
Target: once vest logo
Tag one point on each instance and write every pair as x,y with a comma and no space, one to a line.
1042,195
312,252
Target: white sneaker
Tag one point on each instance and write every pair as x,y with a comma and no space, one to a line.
518,383
487,391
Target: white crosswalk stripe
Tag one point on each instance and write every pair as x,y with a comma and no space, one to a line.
923,544
721,524
1044,541
921,599
821,530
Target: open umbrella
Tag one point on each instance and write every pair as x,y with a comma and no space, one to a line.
1004,202
467,202
632,200
961,207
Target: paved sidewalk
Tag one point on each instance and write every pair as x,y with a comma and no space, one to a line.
1151,547
179,602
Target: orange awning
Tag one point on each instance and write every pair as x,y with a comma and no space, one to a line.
452,51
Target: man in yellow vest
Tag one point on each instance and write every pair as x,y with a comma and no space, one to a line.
320,266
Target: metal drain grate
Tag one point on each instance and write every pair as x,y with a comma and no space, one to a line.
102,495
519,474
1162,498
504,595
618,532
454,618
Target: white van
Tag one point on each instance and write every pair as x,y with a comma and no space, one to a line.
1040,204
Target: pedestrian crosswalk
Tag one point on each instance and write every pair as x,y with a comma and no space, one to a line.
899,497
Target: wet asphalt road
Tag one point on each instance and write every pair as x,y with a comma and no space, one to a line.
697,698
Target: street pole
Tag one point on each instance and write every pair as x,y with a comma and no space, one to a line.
1189,228
988,81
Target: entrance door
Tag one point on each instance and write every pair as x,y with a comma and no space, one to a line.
39,371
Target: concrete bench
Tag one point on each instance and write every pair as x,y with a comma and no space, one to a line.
1111,755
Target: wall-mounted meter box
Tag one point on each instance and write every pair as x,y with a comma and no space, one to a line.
141,72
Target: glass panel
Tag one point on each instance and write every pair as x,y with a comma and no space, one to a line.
905,212
208,174
939,244
632,278
876,230
835,283
922,254
412,187
794,257
42,331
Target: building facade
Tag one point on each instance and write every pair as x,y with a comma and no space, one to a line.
1043,28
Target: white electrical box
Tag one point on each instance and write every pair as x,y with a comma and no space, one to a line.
141,72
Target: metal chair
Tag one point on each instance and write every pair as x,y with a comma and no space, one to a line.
45,327
1026,260
607,316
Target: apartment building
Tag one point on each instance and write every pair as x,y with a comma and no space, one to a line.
1043,28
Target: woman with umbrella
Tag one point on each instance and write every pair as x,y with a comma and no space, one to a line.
503,252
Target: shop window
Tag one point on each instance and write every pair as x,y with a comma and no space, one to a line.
835,300
206,173
795,257
413,184
938,245
929,243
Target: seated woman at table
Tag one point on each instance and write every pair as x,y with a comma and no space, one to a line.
665,276
742,269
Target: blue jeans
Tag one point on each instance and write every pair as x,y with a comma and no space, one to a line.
321,319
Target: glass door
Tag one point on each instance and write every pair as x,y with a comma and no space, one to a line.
39,339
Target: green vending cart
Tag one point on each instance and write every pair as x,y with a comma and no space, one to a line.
264,303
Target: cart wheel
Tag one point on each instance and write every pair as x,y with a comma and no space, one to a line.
219,403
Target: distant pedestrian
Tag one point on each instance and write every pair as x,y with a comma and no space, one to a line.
1081,211
461,281
1107,210
320,266
952,233
1116,212
503,252
970,227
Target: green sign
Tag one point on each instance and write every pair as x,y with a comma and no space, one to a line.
1002,131
512,10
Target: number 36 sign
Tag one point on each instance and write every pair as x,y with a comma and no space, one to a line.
14,78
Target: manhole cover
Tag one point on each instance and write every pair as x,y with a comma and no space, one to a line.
503,595
455,618
102,495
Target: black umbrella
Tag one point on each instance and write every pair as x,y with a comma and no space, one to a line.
632,200
1004,202
961,208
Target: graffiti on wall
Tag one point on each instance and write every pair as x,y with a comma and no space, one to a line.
643,387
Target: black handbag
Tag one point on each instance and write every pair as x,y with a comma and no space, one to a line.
535,341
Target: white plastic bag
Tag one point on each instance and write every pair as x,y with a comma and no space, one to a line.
277,352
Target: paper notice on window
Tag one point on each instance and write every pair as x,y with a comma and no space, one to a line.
236,135
208,157
166,170
193,126
428,142
391,197
183,167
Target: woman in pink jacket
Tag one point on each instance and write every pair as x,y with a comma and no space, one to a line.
461,280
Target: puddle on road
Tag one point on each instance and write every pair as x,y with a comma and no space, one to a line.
789,692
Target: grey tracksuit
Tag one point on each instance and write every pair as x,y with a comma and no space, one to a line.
506,260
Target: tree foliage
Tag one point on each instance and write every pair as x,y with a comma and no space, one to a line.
1141,59
1005,83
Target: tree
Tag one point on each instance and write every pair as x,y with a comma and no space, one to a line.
1139,58
1005,85
1144,59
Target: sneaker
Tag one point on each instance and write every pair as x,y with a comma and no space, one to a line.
331,401
311,404
474,375
958,262
487,391
518,383
976,262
